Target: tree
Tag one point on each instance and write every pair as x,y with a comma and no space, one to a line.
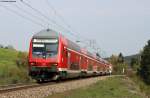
1,46
135,62
120,58
10,47
114,61
144,70
119,66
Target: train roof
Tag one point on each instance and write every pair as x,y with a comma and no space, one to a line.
73,45
48,33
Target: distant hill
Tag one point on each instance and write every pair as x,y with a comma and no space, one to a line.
128,58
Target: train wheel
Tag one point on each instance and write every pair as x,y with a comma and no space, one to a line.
40,81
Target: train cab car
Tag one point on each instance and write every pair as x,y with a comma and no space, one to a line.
44,55
52,56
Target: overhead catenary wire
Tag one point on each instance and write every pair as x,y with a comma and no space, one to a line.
40,13
48,19
36,10
87,42
58,14
27,18
84,40
33,15
68,29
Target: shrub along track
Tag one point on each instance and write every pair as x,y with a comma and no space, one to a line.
45,89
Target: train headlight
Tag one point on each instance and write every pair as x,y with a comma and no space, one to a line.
32,63
55,64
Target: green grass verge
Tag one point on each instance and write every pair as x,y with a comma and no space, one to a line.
10,72
143,87
115,87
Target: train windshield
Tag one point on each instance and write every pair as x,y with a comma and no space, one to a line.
45,48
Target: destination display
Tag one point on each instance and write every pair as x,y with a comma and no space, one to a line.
45,40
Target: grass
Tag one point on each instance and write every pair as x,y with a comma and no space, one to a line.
10,72
115,87
144,88
7,54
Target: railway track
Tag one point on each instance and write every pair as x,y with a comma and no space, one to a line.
43,90
17,87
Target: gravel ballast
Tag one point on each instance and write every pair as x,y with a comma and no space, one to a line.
44,91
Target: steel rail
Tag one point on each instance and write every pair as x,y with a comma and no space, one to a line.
17,87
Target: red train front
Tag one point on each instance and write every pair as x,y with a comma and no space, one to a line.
52,56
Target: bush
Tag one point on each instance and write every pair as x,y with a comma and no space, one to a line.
119,66
22,59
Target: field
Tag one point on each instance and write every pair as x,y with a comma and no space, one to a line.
11,71
115,87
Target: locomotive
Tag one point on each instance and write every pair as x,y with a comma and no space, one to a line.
52,56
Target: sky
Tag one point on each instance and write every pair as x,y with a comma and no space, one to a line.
116,25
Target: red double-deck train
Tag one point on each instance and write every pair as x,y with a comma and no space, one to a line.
52,56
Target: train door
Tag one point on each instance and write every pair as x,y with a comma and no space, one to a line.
80,62
95,66
68,59
64,58
84,63
74,61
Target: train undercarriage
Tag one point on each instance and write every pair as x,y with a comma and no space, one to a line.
43,74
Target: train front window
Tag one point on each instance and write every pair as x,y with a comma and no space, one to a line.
51,50
38,50
45,48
